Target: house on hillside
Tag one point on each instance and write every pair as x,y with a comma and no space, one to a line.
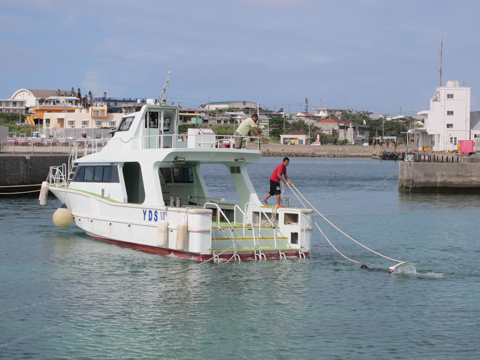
447,122
344,129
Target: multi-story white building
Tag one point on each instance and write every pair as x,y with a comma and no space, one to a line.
326,112
12,106
82,119
448,120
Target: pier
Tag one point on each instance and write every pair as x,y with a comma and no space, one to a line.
19,173
440,173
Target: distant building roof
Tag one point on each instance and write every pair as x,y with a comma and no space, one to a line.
338,121
47,93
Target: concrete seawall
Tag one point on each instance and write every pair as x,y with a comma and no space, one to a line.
26,169
439,177
316,151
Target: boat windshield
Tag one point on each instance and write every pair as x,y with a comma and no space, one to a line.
126,123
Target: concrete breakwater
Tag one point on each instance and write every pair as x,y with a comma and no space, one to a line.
279,150
18,170
439,177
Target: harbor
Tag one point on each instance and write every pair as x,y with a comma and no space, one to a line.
65,289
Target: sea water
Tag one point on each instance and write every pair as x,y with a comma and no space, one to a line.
64,295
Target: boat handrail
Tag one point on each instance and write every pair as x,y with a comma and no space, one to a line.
246,218
260,221
57,175
169,141
218,225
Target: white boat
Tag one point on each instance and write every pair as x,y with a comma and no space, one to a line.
145,190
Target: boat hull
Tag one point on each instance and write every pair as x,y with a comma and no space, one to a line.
225,256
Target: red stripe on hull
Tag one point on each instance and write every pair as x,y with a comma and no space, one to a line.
194,256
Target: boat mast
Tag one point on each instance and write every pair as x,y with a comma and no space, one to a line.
164,95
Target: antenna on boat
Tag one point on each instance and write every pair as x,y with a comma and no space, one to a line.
163,96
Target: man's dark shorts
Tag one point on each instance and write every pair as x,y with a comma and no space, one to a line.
274,188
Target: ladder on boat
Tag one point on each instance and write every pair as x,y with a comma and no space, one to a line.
232,233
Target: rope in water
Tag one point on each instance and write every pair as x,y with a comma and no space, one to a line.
20,192
336,227
318,227
9,186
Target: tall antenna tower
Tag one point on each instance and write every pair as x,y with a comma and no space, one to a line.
441,53
306,105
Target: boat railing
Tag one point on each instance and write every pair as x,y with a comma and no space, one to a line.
188,141
245,221
260,210
230,226
57,175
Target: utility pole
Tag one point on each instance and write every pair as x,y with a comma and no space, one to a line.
441,54
384,123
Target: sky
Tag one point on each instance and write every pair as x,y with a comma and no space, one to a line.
382,56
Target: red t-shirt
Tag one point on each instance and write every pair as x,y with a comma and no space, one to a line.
280,169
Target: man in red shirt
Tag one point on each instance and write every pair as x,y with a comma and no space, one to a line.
275,181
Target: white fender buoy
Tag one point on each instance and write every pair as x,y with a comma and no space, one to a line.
181,236
62,217
43,197
162,233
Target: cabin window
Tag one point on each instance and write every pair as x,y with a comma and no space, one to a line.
126,123
180,175
450,112
166,174
98,174
166,123
152,120
108,173
449,126
183,175
89,171
449,96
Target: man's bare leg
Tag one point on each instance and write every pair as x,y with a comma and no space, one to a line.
265,200
279,204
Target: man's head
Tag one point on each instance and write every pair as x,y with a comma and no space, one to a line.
254,117
286,161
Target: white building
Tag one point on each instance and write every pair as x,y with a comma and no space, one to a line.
82,119
34,98
325,112
447,121
221,105
12,106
